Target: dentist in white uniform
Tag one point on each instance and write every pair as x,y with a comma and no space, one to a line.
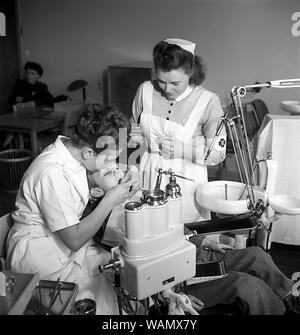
49,235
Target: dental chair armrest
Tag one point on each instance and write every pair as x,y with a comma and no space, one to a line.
206,271
218,225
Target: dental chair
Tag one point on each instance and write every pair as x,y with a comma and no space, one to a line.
254,113
206,271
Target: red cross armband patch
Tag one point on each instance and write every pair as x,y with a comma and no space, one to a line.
220,144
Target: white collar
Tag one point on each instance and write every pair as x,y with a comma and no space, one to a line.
183,95
68,159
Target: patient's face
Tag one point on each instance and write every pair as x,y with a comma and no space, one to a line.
106,179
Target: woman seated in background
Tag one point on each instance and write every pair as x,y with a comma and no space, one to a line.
29,89
48,236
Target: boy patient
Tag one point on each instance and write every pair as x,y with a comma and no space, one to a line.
100,182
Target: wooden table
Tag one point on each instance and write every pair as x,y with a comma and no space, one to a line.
31,124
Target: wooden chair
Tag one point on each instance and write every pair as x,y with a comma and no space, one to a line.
5,223
19,109
72,112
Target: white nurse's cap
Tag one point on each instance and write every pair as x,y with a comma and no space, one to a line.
184,44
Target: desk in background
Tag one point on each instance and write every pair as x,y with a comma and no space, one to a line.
279,136
31,124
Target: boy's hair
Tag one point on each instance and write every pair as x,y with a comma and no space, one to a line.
96,122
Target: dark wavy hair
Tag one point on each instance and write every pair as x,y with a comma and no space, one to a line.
169,57
34,66
96,121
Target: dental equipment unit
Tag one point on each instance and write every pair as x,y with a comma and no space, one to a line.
156,255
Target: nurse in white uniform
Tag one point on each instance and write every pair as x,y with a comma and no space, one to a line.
178,119
49,236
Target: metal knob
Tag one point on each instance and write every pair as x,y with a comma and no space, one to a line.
173,190
112,265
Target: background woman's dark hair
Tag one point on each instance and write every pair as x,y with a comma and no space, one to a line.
97,121
171,57
34,66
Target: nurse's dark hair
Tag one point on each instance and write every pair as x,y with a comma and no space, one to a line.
97,121
169,57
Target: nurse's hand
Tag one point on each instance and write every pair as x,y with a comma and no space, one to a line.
132,175
136,134
170,147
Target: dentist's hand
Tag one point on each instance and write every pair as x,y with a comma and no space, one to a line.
133,176
118,194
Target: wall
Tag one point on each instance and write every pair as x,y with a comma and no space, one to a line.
241,41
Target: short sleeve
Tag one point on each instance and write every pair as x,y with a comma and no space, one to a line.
213,115
55,195
137,105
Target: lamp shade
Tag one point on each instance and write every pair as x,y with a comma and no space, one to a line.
77,85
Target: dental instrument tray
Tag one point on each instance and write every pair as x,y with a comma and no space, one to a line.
52,298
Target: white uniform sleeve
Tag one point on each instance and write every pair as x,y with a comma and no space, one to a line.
55,195
214,113
137,105
197,148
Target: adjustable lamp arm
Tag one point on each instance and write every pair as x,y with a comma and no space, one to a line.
281,83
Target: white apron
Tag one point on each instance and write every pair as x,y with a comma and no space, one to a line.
153,127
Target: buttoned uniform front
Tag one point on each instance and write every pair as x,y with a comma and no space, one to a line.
52,196
192,118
